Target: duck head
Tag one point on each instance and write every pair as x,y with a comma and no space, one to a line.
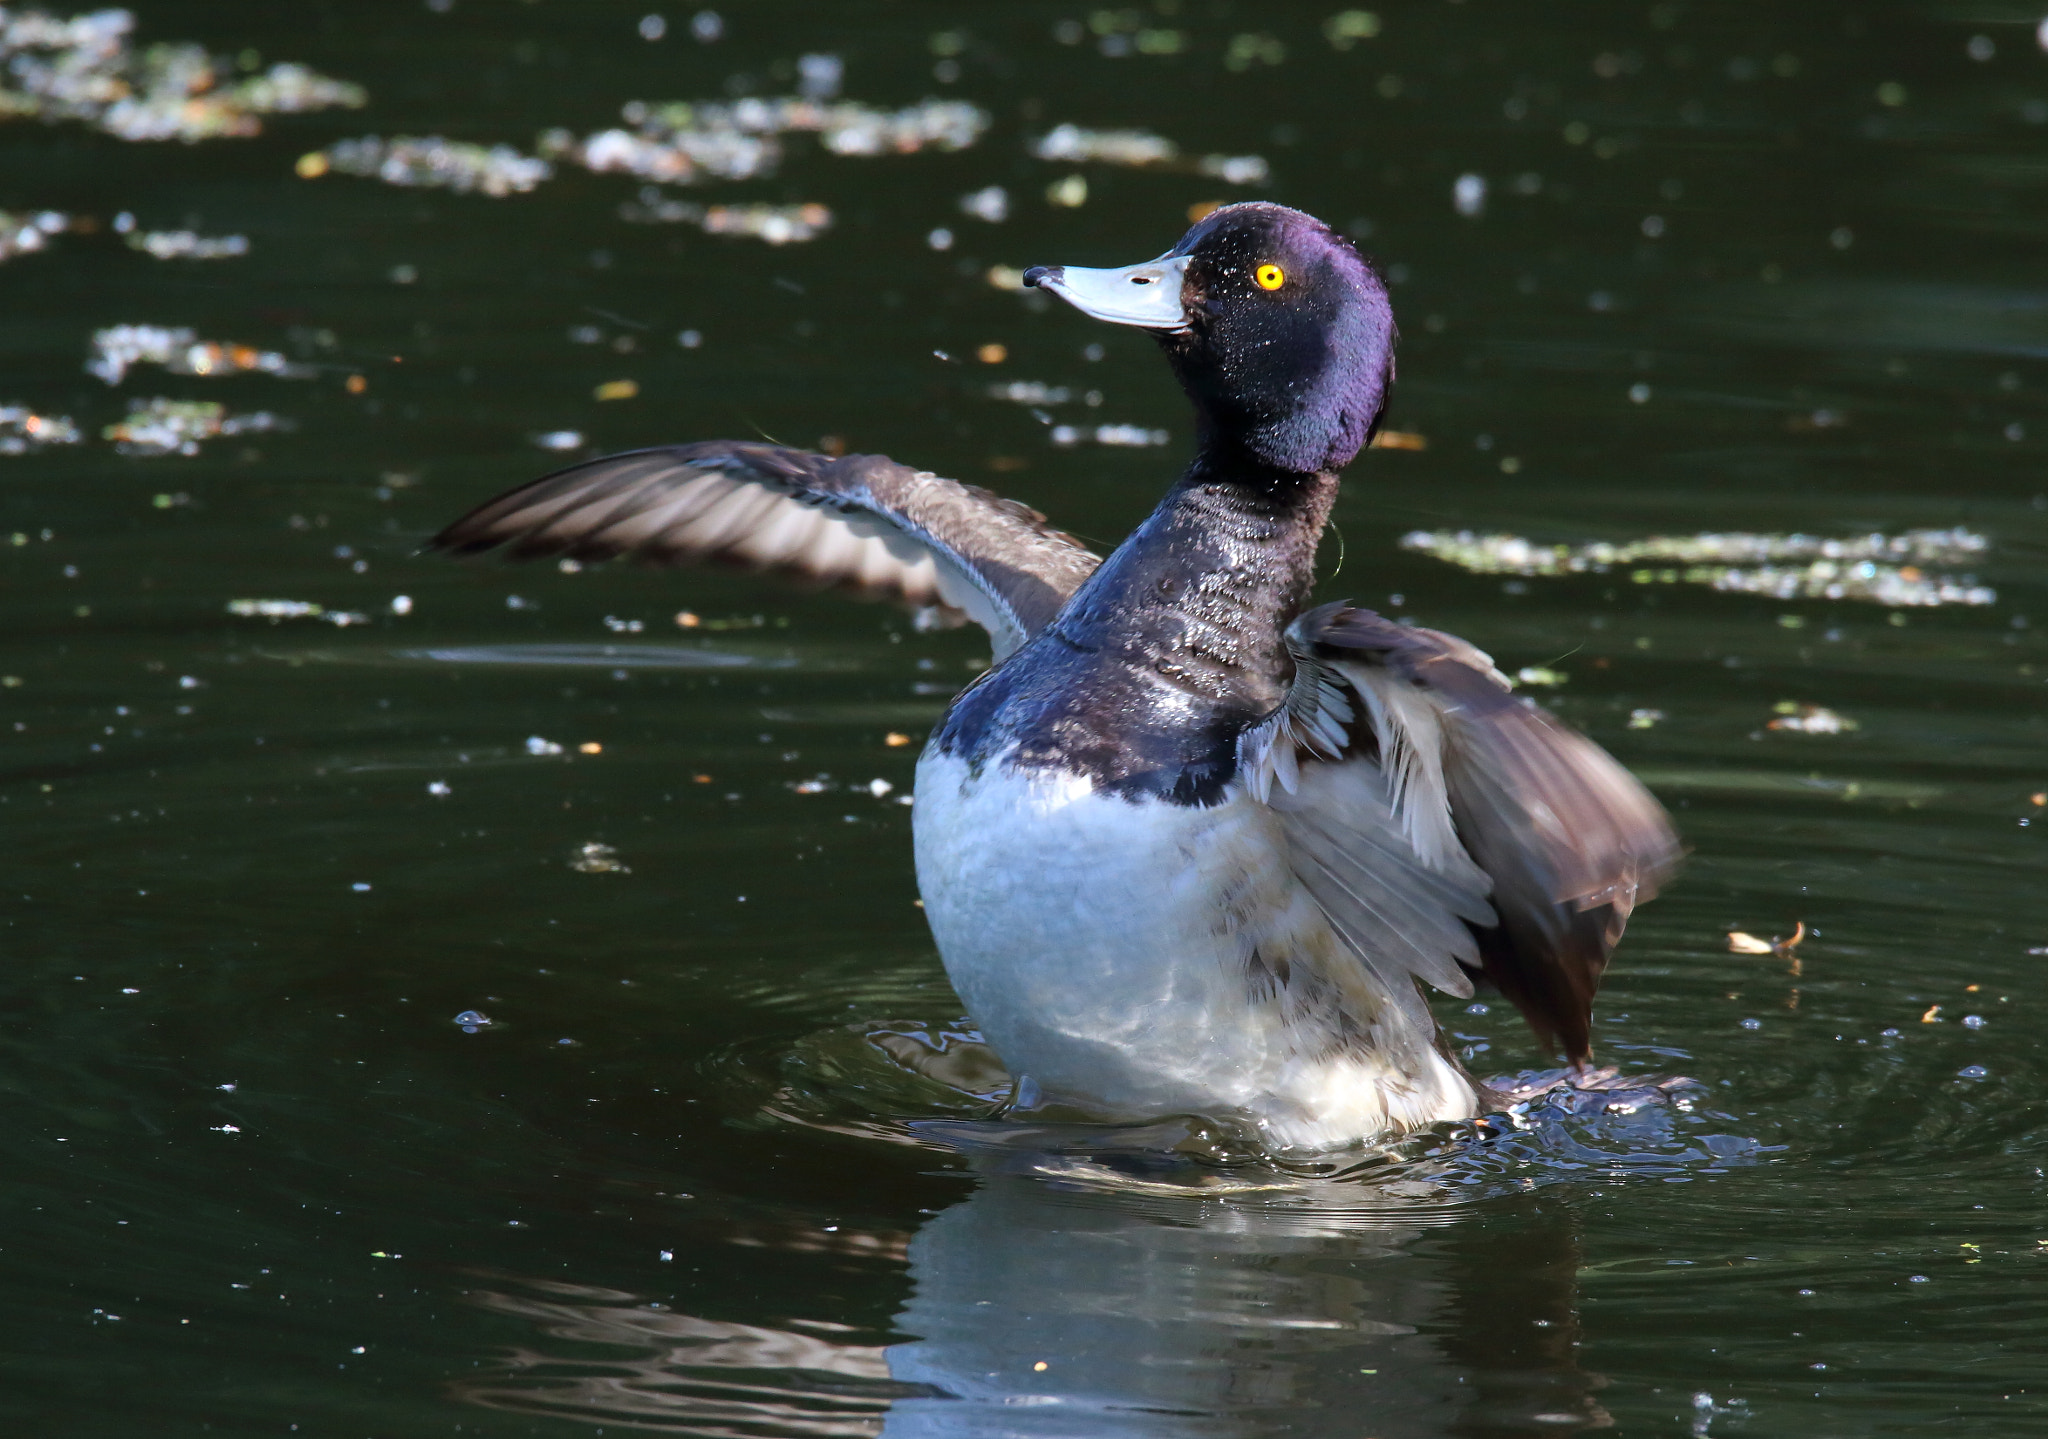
1277,328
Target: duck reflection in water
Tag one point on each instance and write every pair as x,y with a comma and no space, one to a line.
1096,1301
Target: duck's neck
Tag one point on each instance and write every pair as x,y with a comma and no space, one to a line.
1202,590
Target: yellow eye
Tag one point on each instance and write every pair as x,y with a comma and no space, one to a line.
1271,277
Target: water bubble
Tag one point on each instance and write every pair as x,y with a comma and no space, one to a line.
1973,1071
653,27
1973,1021
1752,1024
472,1021
360,888
707,26
1918,1279
1468,195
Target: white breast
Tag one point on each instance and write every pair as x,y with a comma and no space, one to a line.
1107,950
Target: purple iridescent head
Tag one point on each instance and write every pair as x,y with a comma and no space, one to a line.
1279,330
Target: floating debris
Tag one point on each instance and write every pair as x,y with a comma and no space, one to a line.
1882,569
1809,719
1399,440
1122,33
1069,192
178,427
430,162
1780,945
1468,198
991,204
682,157
23,430
1030,392
26,234
685,142
535,745
1074,144
777,224
1249,49
559,439
1540,675
1112,147
1645,718
276,610
1347,27
87,68
186,245
595,858
1128,436
182,353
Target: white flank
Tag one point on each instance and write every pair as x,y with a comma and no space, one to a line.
1106,948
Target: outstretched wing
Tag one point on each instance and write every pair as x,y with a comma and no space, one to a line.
862,522
1447,826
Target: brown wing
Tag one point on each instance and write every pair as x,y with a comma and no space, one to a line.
863,522
1565,841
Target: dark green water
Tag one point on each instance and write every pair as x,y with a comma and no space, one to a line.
256,1180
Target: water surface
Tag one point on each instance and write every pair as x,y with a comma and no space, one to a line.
1737,268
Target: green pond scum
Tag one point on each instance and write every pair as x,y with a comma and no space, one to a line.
456,998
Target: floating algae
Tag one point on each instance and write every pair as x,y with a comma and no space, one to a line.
188,245
777,224
119,347
1030,392
1116,436
26,234
23,429
677,143
430,162
687,142
178,427
87,68
1882,569
275,610
1073,144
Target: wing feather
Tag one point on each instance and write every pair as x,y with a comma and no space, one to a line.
1460,828
862,522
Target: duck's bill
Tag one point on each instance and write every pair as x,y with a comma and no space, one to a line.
1146,295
